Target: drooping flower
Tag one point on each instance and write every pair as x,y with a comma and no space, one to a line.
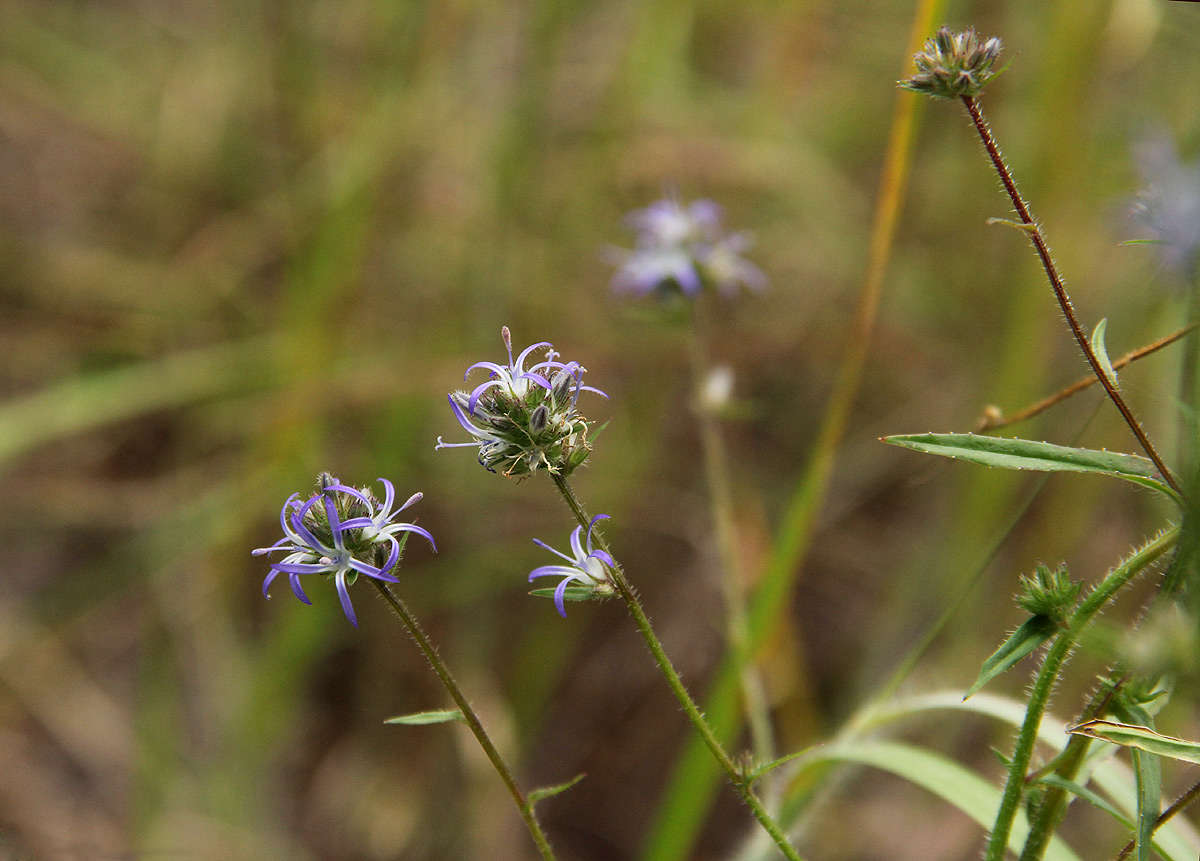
339,533
586,567
953,64
1169,204
683,248
523,420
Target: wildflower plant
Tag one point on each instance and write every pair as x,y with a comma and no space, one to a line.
342,531
525,420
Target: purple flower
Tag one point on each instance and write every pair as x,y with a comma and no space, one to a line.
523,420
333,532
683,248
1169,204
587,566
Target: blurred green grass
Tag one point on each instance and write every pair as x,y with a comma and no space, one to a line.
244,242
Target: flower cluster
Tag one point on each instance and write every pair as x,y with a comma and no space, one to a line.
340,532
954,64
684,248
1169,205
586,568
523,419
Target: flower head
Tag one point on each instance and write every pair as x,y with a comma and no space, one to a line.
683,248
1169,204
586,567
338,532
523,420
954,64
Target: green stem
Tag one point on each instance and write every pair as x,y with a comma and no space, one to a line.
1060,290
720,498
472,720
1053,806
1047,676
633,603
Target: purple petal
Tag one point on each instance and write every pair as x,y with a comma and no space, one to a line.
297,590
344,597
389,496
478,391
558,596
498,370
519,364
412,527
546,546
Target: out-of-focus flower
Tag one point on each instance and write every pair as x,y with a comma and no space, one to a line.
954,64
523,420
1169,204
683,248
586,567
338,532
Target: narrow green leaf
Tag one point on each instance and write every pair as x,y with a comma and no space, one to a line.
1035,631
948,780
1140,738
543,792
1089,795
572,593
1101,352
429,717
1177,838
1026,454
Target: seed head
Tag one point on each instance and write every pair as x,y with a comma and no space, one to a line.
954,64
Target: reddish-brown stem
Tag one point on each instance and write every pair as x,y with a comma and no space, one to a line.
1060,291
993,418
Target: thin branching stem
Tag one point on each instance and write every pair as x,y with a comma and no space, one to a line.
1047,677
1060,290
738,777
1179,804
418,635
994,419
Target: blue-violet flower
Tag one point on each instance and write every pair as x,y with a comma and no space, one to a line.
682,249
523,420
339,532
586,568
1169,204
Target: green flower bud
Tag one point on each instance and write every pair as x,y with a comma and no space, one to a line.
1049,593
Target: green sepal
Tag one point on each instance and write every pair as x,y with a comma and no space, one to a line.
1024,454
572,593
426,718
1035,631
544,792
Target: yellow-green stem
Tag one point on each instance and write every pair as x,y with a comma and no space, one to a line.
720,499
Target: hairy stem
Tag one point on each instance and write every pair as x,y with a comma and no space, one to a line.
1047,676
472,720
1060,290
737,777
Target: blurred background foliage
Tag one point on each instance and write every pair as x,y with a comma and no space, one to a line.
242,242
